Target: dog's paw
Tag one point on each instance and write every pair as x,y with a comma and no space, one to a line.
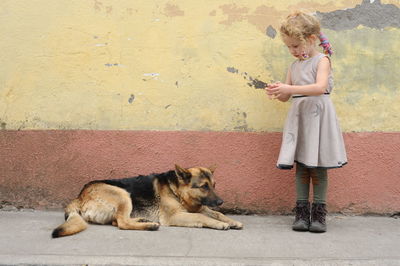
222,226
153,226
236,225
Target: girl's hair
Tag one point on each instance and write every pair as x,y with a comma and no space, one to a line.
300,26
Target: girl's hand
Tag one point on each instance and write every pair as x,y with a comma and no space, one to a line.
272,94
280,88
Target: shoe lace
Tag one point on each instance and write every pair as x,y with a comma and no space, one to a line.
302,213
319,213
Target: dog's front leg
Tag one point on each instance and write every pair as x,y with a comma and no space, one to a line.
196,220
219,216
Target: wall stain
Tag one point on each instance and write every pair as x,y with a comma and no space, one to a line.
109,9
261,17
234,13
173,10
373,15
97,5
264,15
240,120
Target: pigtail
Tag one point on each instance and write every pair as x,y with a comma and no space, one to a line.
325,44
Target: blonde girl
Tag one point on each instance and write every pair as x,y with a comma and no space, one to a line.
311,137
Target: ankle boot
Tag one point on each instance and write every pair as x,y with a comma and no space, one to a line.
318,218
302,220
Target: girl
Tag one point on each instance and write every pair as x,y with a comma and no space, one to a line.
312,137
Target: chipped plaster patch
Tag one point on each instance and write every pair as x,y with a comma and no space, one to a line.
131,98
372,14
151,76
271,32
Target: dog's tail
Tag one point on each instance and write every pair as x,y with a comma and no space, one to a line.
74,223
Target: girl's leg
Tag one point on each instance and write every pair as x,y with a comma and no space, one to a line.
302,183
302,209
320,184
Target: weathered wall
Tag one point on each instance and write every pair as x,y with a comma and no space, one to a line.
156,68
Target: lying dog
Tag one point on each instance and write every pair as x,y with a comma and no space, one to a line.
175,198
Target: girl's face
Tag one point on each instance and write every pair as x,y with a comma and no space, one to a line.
297,48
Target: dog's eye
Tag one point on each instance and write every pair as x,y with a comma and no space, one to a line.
205,186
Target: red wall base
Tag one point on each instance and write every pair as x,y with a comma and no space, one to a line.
46,169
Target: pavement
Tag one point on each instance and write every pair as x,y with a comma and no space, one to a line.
265,240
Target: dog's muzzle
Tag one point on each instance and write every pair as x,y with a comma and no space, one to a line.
212,203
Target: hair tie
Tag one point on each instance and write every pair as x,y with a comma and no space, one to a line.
325,44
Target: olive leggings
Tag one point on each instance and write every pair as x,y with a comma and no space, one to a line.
318,177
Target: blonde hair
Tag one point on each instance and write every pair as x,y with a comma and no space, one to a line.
300,25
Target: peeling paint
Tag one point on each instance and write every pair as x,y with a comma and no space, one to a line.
256,83
372,14
112,65
232,70
271,32
131,99
151,75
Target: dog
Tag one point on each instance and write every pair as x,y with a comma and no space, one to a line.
179,197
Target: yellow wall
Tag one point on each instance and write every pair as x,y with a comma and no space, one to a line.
162,65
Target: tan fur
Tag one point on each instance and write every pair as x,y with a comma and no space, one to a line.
179,205
102,204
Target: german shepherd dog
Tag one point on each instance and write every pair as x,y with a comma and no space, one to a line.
175,198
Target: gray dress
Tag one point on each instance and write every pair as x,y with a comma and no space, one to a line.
311,135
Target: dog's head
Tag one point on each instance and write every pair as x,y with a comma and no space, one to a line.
196,187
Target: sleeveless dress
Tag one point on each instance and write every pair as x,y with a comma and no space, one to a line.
311,136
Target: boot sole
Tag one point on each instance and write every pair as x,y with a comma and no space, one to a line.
300,229
316,230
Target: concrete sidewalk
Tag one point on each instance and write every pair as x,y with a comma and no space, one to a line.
265,240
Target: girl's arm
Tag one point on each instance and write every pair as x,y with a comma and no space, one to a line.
318,88
284,97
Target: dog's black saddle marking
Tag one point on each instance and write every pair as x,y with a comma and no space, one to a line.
141,187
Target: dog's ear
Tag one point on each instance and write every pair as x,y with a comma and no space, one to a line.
212,168
182,173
